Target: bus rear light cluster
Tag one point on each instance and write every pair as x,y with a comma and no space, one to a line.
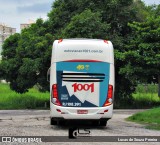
109,96
60,40
105,41
55,99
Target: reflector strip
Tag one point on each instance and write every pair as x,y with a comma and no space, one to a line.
58,110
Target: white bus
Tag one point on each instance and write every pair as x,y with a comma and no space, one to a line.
81,81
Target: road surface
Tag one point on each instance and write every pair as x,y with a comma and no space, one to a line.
37,123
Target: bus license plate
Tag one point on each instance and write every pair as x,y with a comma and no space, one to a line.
82,111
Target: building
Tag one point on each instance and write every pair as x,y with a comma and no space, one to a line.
5,32
26,25
22,26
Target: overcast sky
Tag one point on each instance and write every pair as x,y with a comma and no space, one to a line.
15,12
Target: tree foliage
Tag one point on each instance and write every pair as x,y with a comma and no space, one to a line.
26,58
86,25
10,61
143,54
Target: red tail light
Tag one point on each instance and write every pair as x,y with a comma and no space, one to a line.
55,99
105,41
60,40
110,91
109,96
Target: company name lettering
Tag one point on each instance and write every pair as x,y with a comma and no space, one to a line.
85,51
85,87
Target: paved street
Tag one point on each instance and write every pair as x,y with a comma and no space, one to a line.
36,123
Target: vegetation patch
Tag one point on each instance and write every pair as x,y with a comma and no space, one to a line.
151,118
33,99
146,96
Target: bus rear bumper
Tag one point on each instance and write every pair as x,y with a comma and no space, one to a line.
68,113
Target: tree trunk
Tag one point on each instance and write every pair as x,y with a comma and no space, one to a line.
158,85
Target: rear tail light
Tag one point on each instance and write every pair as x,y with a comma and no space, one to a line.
60,40
105,41
54,98
109,96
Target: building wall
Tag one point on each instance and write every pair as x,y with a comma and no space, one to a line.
22,26
5,32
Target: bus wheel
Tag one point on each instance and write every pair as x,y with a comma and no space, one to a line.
103,123
61,122
53,122
95,122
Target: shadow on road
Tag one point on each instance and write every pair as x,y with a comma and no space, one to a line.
79,124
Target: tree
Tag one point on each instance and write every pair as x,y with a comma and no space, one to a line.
35,51
143,53
10,61
142,10
86,25
29,60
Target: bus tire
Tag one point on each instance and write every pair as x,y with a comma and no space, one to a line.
103,123
61,122
53,122
95,122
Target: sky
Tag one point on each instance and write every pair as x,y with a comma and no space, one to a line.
16,12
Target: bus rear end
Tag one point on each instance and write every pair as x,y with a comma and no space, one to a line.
82,80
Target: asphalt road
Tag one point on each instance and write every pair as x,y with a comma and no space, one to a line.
37,123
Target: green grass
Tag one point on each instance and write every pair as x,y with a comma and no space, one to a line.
151,118
33,99
146,96
150,97
147,88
